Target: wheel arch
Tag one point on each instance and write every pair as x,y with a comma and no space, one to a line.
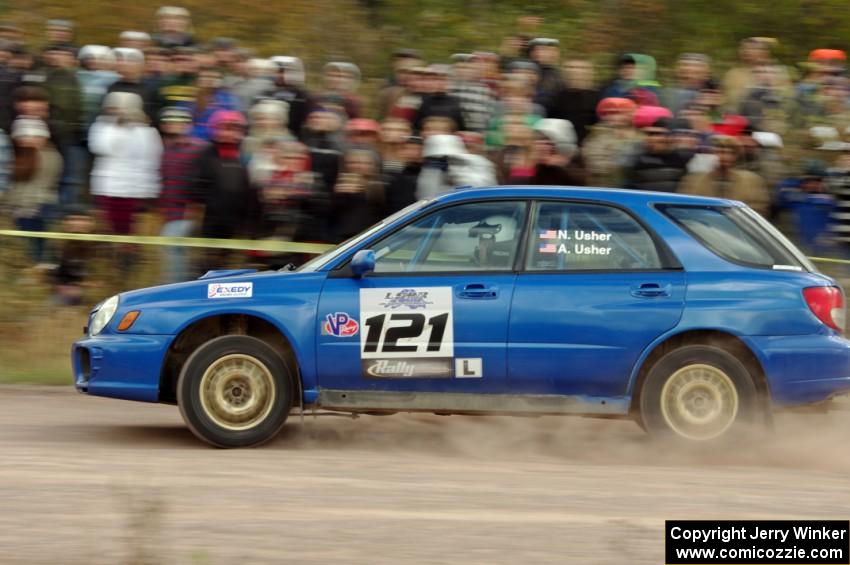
200,330
724,340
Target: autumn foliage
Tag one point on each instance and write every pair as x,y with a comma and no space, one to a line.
365,31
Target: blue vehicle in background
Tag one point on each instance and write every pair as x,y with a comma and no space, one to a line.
692,316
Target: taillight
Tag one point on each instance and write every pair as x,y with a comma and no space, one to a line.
827,303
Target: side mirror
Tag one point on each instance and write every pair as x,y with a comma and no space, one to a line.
362,263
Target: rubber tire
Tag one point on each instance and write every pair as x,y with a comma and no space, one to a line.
188,398
651,417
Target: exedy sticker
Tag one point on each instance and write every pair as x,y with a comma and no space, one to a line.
340,324
230,290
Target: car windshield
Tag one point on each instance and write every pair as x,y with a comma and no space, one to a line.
739,235
316,263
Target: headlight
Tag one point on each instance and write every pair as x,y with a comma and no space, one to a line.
103,315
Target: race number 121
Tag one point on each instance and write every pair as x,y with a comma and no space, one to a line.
381,339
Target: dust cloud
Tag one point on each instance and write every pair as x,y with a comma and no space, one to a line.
92,480
816,441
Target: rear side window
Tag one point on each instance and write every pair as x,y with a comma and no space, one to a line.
736,235
573,236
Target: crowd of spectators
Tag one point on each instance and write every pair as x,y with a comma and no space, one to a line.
211,140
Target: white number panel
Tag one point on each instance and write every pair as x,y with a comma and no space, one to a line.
406,323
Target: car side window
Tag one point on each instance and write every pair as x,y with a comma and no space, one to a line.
477,236
732,233
572,236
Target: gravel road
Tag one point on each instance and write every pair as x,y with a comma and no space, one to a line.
90,480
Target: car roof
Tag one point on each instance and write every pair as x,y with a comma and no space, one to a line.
618,196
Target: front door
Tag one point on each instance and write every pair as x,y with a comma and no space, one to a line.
595,291
433,316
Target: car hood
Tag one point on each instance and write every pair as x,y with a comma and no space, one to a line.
198,289
222,273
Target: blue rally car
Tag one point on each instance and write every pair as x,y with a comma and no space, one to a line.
693,316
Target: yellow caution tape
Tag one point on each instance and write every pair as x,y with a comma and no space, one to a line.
240,244
830,260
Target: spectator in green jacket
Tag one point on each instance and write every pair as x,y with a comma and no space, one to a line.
65,117
64,91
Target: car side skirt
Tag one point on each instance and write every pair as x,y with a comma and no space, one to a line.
460,403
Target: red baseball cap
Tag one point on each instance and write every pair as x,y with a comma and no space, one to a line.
613,105
827,55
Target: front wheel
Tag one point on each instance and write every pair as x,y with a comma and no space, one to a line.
235,391
698,393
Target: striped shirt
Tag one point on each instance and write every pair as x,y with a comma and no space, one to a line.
838,184
179,173
476,103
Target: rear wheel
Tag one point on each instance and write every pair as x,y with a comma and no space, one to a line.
698,393
235,391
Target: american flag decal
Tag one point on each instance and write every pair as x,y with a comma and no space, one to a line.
548,248
548,234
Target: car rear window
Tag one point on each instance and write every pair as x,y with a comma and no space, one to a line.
739,235
577,236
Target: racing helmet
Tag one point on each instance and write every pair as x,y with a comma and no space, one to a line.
496,236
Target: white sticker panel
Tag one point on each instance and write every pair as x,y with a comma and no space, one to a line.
469,368
230,290
406,323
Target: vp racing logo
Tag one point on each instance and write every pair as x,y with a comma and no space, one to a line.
340,324
406,298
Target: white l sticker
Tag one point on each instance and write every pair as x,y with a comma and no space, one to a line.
230,290
469,368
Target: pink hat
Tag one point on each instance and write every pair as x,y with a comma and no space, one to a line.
222,117
645,116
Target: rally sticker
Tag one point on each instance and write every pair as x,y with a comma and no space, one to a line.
340,324
407,332
407,368
230,290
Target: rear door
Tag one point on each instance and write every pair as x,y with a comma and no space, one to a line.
434,314
596,290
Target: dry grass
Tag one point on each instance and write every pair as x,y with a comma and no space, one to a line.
36,331
37,350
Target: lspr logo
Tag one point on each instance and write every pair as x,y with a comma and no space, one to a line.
406,298
340,324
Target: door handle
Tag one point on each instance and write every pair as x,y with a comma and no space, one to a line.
651,290
479,291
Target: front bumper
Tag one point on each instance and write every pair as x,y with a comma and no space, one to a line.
803,369
120,366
